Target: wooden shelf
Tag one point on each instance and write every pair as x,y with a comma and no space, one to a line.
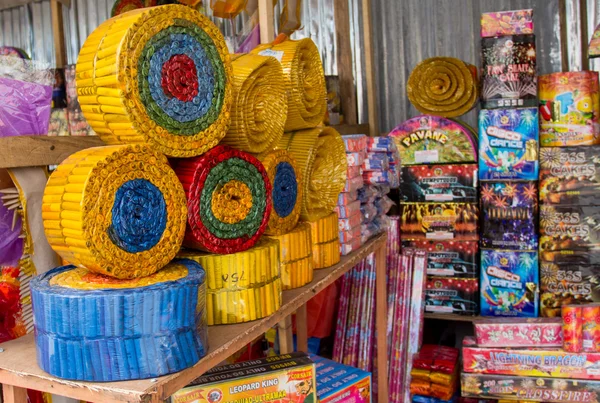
18,366
451,317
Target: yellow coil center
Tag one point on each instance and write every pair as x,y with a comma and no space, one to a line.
83,279
231,202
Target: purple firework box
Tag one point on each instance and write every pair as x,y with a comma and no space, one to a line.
509,212
25,108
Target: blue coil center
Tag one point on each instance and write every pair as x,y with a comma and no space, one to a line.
285,189
139,216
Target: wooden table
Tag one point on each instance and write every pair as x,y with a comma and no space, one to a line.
19,370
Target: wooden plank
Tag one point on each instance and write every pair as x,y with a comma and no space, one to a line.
381,317
23,151
564,35
302,329
583,21
14,394
370,69
341,15
266,20
58,32
451,317
286,336
18,362
6,4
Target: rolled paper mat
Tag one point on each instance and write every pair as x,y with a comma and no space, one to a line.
116,210
133,329
241,286
326,241
123,6
295,252
305,81
286,182
259,107
160,76
443,86
229,200
321,158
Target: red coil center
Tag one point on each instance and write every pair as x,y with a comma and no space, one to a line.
179,78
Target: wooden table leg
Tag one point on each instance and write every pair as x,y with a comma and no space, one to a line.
302,329
286,338
381,323
13,394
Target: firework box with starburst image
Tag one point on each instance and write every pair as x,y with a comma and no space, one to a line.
513,22
508,72
509,215
449,258
536,389
452,295
509,283
439,183
519,332
570,175
572,229
439,221
429,139
508,144
565,284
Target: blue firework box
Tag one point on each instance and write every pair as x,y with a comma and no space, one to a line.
508,144
116,334
509,283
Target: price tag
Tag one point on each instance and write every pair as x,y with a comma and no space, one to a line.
427,156
277,54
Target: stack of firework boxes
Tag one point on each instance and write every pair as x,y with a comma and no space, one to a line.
439,211
569,186
508,166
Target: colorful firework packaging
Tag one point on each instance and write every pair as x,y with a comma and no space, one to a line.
509,283
14,52
134,329
569,228
537,389
439,221
519,332
590,315
452,295
295,253
430,139
229,200
572,317
569,175
563,284
509,215
439,183
594,45
356,142
78,126
172,89
509,77
508,144
500,23
116,210
326,241
449,258
443,86
569,109
337,382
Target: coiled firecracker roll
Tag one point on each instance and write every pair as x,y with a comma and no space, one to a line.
321,157
305,81
241,286
259,107
91,327
295,250
443,86
115,210
229,200
160,76
326,241
286,182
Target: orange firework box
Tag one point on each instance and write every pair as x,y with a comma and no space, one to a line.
282,379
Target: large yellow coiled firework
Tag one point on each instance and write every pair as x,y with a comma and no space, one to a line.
259,107
241,286
305,80
443,86
295,250
160,76
326,241
115,210
321,157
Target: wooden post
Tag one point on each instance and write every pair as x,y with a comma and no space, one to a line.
14,394
369,70
564,35
381,323
59,33
286,338
302,329
344,61
266,21
583,22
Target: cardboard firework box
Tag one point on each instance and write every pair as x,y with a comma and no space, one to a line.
449,258
440,221
337,383
538,389
547,362
519,332
573,230
280,379
452,295
439,183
